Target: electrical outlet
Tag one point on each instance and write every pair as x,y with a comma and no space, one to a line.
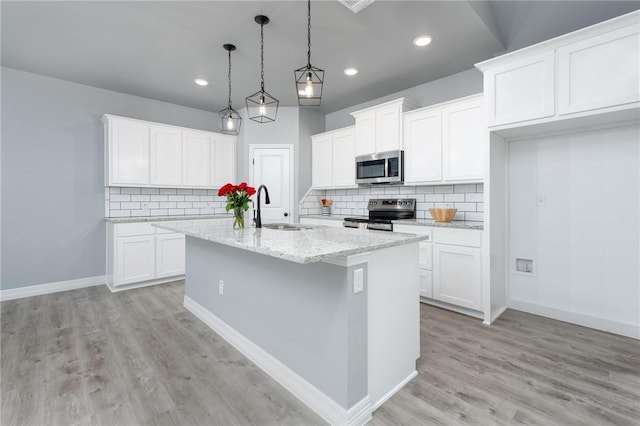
358,280
221,287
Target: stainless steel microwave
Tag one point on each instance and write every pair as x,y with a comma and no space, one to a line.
383,167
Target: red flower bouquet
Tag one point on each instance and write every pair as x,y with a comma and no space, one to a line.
238,199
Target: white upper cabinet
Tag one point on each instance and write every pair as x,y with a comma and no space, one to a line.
379,128
166,156
146,154
344,154
366,133
423,146
600,71
333,159
520,91
321,160
128,150
445,143
569,81
223,160
196,153
464,138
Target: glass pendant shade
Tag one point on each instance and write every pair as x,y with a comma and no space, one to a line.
229,120
261,106
309,79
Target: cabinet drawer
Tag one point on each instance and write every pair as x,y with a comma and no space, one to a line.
425,255
412,229
458,237
133,229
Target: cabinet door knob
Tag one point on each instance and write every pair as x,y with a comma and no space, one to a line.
286,214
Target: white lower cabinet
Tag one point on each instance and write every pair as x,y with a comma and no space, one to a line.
134,259
449,266
139,253
170,250
457,275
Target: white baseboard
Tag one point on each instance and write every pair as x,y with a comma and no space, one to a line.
454,308
392,392
37,290
115,289
603,324
315,399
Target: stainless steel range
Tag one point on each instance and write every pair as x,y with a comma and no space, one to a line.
382,212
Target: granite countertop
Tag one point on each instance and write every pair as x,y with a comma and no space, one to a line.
308,245
461,224
165,218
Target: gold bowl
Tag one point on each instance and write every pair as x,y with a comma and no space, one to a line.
443,215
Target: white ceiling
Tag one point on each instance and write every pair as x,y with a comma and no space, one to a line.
156,49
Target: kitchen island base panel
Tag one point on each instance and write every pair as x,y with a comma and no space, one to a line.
307,318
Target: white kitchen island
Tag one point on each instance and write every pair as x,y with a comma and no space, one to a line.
332,314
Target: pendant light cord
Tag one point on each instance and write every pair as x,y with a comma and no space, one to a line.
262,57
309,34
229,79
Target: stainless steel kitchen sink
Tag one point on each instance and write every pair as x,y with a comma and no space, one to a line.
285,226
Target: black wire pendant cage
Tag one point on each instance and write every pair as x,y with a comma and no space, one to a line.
229,120
261,106
309,79
309,82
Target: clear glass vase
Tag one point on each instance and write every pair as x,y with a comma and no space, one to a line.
238,218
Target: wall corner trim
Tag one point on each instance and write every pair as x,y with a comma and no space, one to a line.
40,289
324,406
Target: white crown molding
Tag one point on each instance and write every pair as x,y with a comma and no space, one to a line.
324,406
40,289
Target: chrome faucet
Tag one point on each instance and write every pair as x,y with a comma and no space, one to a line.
258,219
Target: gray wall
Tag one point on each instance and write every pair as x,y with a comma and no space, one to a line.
52,173
455,86
303,315
311,123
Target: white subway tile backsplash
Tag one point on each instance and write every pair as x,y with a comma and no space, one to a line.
454,197
175,212
168,205
178,198
158,198
130,191
138,213
158,212
434,197
468,198
465,188
150,191
168,191
114,190
465,207
212,198
200,191
114,206
120,213
192,198
444,189
119,197
187,205
474,216
184,191
191,211
140,198
130,206
474,197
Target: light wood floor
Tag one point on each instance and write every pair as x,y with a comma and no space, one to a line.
138,358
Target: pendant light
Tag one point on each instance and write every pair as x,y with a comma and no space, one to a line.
261,106
229,119
309,79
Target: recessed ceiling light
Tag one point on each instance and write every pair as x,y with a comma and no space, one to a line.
350,71
422,40
201,82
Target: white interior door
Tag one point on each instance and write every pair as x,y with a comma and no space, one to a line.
271,166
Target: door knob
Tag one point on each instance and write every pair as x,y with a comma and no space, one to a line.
286,214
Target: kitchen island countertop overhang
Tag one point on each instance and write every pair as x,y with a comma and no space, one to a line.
309,244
